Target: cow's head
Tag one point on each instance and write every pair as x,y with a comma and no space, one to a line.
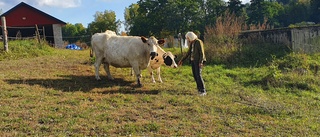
169,59
152,43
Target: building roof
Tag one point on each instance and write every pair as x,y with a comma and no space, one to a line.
26,15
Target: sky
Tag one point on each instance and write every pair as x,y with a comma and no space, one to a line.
75,11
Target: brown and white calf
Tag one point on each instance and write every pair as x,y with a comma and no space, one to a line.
163,58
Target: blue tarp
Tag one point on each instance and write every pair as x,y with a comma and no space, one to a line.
73,47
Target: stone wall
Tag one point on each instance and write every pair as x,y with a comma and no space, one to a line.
302,39
306,39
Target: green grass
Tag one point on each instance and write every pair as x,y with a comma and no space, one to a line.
55,93
25,49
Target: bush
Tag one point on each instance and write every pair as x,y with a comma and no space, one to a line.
224,46
221,41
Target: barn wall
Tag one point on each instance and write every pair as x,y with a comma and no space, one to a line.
304,39
57,34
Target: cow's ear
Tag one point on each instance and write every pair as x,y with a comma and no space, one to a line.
161,41
144,39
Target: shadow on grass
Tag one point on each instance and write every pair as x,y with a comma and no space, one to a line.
73,83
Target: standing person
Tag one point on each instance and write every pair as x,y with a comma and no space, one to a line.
197,58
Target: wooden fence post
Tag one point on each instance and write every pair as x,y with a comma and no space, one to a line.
5,34
38,34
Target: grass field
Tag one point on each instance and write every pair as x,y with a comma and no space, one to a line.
56,94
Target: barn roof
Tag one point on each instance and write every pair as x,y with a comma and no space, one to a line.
26,15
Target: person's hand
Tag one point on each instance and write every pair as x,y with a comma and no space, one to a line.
180,63
201,65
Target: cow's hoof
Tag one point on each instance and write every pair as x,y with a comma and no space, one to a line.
111,78
139,85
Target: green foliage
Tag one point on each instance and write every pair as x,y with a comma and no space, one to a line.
260,54
259,10
315,11
236,7
177,16
294,61
131,14
294,12
301,24
73,33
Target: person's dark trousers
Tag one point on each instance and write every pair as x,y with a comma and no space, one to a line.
196,71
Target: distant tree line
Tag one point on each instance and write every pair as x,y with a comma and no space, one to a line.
162,18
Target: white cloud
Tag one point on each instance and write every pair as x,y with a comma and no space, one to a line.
42,3
59,3
2,4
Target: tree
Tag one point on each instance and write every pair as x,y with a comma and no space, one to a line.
80,29
185,15
261,10
294,12
69,30
255,12
284,2
73,33
236,7
170,17
214,8
272,11
315,11
130,14
104,21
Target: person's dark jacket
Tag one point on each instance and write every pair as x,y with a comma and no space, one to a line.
198,52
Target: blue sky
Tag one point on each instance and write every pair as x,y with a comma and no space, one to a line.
75,11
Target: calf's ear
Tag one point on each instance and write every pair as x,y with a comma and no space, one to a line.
144,39
161,41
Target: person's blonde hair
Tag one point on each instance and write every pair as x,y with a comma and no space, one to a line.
191,36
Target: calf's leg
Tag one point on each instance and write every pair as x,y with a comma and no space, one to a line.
158,73
150,70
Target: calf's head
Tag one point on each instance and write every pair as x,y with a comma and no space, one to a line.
152,43
169,59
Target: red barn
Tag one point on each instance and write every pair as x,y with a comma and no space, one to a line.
22,20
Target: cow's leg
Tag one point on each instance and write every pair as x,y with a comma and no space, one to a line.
150,70
132,73
137,71
107,69
158,73
97,66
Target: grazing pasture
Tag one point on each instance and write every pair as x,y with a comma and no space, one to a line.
55,94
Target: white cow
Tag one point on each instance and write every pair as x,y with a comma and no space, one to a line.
123,52
163,58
